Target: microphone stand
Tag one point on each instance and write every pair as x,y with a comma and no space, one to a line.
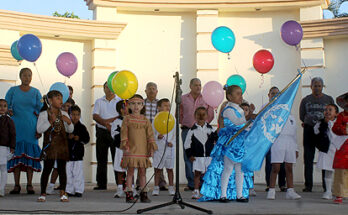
177,197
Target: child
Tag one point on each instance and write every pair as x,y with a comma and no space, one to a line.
323,129
163,158
340,163
54,123
247,113
284,149
74,167
50,187
7,143
116,135
198,145
138,144
225,158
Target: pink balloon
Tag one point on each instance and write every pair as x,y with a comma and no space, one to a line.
66,64
213,93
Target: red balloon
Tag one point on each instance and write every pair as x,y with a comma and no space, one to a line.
263,61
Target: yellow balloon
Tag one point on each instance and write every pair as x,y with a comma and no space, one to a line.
124,84
164,122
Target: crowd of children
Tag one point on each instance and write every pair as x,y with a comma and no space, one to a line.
216,163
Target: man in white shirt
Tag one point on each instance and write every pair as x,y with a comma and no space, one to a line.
104,113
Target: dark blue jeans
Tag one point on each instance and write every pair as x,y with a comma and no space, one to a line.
188,163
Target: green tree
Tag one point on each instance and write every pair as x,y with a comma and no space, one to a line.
66,15
334,7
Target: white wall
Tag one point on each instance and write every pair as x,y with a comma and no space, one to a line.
336,71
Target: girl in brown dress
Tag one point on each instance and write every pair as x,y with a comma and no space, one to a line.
138,144
54,123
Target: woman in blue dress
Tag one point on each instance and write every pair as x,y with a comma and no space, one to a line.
224,179
24,104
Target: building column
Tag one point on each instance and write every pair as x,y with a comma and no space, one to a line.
103,63
312,51
207,55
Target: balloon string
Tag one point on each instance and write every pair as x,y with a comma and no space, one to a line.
228,56
297,47
39,77
262,80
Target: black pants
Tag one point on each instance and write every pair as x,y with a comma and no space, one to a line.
48,166
104,142
268,170
308,155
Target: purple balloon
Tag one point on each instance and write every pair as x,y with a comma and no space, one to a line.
66,64
291,33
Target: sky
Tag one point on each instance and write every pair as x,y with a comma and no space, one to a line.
79,7
48,7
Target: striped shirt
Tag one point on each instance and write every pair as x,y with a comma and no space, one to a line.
151,109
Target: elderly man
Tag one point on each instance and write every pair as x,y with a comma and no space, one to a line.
150,113
189,103
151,101
104,114
311,111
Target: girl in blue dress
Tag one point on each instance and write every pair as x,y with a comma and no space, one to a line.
224,179
24,104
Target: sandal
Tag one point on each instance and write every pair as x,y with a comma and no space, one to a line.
64,196
42,198
16,190
30,189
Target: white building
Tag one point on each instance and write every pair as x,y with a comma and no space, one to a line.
155,38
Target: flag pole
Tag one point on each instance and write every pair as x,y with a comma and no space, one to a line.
300,73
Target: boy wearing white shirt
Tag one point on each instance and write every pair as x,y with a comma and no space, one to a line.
164,156
284,149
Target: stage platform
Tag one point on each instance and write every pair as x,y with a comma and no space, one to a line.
97,201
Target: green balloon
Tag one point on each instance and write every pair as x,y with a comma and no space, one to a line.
121,83
14,51
111,76
237,80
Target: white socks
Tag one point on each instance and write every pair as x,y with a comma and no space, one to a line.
226,174
3,177
328,180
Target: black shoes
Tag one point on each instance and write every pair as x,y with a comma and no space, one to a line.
16,190
223,200
163,188
79,195
30,189
282,189
307,190
99,188
187,188
244,200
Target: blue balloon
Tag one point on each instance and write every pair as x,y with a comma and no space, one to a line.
62,88
237,80
223,39
14,51
29,47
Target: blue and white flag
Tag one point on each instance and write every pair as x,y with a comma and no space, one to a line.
266,128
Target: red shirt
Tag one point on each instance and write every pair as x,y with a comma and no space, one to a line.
340,128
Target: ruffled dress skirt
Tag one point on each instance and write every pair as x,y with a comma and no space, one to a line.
211,188
26,156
